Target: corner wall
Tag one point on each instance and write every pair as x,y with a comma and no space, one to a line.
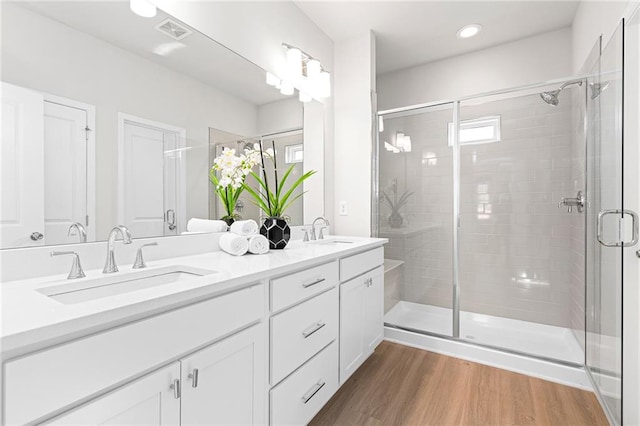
354,86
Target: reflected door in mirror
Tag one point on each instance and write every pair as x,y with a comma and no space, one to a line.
151,193
65,171
21,158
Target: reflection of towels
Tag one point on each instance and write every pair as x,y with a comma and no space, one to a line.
245,228
234,244
205,225
258,244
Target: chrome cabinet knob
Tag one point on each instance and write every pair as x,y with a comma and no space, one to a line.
37,236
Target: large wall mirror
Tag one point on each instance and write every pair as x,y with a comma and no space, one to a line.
110,118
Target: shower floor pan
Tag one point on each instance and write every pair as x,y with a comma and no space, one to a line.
546,341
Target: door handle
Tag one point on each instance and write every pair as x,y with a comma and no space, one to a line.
171,219
36,236
194,378
176,388
635,228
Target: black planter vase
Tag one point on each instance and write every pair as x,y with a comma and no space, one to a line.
228,220
277,231
395,220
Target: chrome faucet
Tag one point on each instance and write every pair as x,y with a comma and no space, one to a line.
78,229
313,228
110,265
76,268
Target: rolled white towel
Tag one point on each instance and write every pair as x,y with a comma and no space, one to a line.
245,228
258,244
234,244
206,225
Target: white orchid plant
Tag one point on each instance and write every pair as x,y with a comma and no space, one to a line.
228,174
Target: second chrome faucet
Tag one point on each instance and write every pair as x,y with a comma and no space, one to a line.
110,265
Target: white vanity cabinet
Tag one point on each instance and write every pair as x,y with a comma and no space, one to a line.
218,385
41,384
268,352
361,309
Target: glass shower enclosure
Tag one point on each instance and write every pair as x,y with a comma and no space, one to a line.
506,218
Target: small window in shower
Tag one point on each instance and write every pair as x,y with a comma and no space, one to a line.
293,153
477,131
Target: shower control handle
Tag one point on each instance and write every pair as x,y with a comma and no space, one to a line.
569,202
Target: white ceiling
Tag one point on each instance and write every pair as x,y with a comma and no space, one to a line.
409,33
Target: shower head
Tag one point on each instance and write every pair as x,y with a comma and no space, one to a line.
551,97
598,88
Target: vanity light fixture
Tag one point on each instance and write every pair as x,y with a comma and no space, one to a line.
302,72
143,8
469,30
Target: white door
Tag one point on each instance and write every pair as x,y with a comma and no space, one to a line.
151,187
21,161
65,171
374,310
149,401
224,384
351,326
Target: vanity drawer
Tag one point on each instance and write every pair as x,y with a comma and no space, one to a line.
358,264
290,289
297,399
46,381
300,332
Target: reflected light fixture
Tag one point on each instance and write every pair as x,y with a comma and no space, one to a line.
143,8
469,30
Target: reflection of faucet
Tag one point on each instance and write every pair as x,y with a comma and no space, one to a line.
110,265
80,230
313,228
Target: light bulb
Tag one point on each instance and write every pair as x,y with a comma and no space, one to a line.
324,85
143,8
272,80
286,88
294,63
304,97
469,30
313,69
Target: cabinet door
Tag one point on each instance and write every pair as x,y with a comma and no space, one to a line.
224,384
351,326
147,401
374,310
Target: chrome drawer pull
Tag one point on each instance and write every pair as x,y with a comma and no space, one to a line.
314,390
317,326
194,378
318,281
176,388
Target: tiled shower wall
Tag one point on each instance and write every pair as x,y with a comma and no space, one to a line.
519,253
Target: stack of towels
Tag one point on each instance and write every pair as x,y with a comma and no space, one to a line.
243,237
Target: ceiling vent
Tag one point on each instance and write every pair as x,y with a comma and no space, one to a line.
173,29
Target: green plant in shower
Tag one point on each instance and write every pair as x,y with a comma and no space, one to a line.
227,175
395,203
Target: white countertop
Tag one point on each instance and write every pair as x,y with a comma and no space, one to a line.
31,320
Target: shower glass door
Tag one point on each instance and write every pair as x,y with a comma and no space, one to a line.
521,254
605,226
415,212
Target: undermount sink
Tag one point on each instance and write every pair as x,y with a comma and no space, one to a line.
84,290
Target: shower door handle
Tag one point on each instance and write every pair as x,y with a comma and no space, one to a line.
635,228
